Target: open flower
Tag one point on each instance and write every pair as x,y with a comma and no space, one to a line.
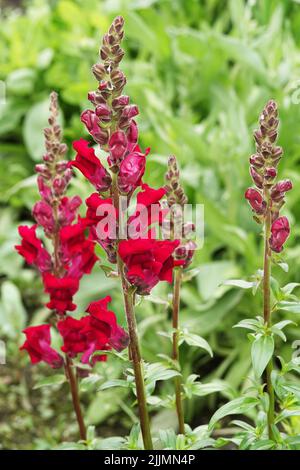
90,166
32,250
280,231
38,346
61,291
97,331
102,318
148,261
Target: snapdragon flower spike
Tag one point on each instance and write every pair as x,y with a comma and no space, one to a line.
176,199
73,251
112,109
38,346
269,195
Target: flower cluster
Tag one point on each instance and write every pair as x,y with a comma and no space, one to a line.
111,123
268,196
176,199
72,256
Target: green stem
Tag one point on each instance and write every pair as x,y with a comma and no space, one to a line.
134,347
267,316
175,352
75,398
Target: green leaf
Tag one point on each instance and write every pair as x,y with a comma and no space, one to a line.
201,390
56,379
114,383
240,283
293,307
237,406
21,81
195,340
286,414
12,311
250,324
261,352
288,288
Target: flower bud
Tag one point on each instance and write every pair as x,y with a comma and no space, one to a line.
117,147
257,178
256,200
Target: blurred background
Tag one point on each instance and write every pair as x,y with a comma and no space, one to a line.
201,72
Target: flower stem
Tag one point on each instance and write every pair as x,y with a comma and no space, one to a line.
175,352
75,398
134,347
267,315
58,271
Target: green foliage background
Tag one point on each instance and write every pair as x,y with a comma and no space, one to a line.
200,71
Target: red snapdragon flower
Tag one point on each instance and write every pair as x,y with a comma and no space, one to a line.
132,169
102,318
38,346
256,200
280,231
61,291
148,261
148,212
32,250
95,332
90,166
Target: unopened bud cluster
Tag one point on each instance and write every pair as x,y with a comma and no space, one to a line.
268,196
176,199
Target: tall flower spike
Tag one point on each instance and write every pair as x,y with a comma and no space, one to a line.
112,116
269,195
176,199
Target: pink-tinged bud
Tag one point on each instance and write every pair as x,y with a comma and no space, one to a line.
44,189
60,167
280,231
282,186
120,102
132,135
42,212
270,173
103,112
96,98
59,185
257,161
131,172
91,120
43,170
67,210
130,111
256,200
117,147
257,178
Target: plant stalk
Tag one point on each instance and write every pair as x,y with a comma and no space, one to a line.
134,347
68,367
175,351
267,315
75,398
